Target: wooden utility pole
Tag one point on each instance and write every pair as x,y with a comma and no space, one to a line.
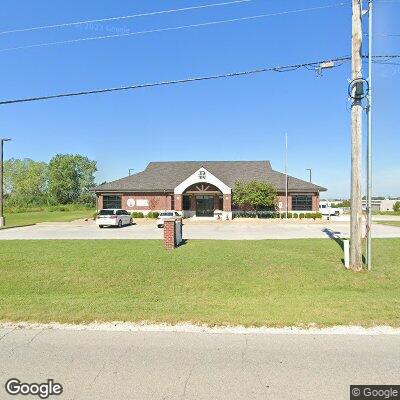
356,262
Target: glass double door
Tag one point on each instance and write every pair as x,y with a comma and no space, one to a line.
204,206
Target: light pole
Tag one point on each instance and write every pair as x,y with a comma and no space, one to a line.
369,140
309,169
2,221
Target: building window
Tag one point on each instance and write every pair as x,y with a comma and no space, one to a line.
112,201
301,202
187,203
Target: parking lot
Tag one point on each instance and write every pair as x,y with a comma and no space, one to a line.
218,230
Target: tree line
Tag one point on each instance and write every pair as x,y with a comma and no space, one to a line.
66,179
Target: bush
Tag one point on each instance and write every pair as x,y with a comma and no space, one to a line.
290,215
153,214
301,215
316,215
137,214
295,215
396,206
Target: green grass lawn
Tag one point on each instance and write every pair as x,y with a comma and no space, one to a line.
254,283
391,223
33,217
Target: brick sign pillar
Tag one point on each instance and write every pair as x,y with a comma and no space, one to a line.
172,238
169,234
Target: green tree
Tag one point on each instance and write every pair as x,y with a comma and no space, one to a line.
25,182
87,168
342,204
71,178
396,206
258,195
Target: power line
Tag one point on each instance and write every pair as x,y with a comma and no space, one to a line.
286,68
175,28
36,28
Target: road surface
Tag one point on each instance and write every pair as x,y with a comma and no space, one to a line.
217,230
100,365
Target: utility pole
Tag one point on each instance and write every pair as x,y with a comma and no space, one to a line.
369,139
356,262
310,170
2,221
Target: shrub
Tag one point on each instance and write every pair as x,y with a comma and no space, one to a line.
317,215
137,214
295,215
152,214
290,215
396,206
301,215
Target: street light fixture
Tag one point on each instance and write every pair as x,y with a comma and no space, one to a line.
2,221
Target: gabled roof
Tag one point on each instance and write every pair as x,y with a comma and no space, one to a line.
166,175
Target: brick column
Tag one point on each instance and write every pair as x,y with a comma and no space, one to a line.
315,202
99,202
169,234
227,202
178,200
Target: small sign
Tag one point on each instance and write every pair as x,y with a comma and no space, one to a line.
280,205
142,203
131,203
202,174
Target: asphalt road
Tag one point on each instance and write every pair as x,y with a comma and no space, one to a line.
219,230
171,365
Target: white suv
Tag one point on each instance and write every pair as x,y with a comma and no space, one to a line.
166,215
113,217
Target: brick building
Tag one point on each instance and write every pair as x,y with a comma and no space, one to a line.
199,188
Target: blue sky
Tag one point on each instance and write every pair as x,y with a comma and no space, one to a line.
232,119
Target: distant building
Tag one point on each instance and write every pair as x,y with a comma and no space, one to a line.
380,205
199,188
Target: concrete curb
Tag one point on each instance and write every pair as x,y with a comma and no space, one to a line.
191,328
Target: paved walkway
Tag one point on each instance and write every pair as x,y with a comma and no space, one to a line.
102,365
219,230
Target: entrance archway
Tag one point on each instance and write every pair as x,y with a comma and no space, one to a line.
202,200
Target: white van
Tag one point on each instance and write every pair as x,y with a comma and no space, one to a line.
113,217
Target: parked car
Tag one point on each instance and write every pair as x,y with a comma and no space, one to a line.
166,215
113,217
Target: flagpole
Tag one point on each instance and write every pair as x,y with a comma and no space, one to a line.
286,173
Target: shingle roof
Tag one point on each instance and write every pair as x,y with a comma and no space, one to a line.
166,175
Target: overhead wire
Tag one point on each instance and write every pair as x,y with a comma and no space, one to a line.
174,28
315,65
286,68
109,19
